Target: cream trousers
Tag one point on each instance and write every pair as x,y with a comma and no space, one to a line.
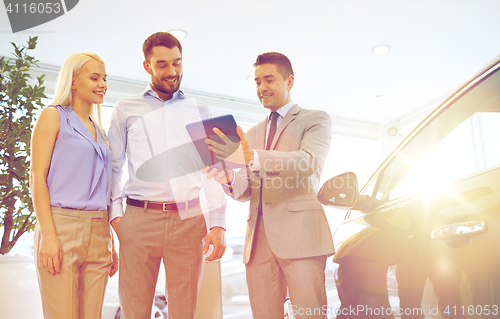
78,291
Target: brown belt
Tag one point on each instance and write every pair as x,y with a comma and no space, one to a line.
164,206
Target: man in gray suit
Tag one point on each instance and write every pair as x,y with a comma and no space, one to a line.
288,238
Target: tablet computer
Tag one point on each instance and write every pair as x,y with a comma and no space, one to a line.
200,131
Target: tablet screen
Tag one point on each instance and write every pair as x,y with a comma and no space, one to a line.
200,131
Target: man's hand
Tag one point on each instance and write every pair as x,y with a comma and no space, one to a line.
235,152
114,258
217,238
220,177
114,254
115,222
51,253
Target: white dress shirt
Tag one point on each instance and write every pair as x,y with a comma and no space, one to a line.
163,164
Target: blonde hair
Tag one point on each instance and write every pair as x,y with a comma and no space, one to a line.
63,95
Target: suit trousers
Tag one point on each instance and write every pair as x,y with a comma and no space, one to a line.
147,236
78,291
268,277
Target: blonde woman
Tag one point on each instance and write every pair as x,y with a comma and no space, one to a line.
70,184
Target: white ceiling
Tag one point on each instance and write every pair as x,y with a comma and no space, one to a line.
436,45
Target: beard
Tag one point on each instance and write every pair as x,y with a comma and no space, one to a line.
161,86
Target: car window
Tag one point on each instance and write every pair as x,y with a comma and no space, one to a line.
491,123
459,138
473,146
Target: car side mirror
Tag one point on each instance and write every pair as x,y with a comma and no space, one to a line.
340,191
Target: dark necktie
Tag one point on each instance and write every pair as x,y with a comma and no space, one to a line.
270,137
272,129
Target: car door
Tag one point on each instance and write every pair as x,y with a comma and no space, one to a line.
433,207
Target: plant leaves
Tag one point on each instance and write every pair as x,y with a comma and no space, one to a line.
18,100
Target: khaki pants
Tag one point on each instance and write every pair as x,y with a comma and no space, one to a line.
269,276
78,291
145,238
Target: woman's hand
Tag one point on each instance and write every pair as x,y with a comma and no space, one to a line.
50,254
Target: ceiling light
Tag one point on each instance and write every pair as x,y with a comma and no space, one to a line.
381,49
179,34
251,79
392,131
377,96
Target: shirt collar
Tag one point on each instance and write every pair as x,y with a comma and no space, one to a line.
178,95
282,111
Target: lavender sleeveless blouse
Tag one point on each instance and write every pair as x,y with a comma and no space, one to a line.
80,170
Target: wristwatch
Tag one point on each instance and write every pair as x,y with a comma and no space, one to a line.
250,162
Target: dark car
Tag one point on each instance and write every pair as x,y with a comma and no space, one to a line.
432,210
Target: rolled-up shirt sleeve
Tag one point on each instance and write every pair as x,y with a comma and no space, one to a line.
216,202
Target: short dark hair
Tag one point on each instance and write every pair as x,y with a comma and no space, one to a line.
160,39
282,63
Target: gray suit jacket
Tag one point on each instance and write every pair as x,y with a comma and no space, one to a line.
289,174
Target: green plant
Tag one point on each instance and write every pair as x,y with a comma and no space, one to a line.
18,102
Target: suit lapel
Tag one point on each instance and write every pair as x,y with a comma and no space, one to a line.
260,136
289,117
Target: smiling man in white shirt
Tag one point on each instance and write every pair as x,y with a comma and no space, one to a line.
164,193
